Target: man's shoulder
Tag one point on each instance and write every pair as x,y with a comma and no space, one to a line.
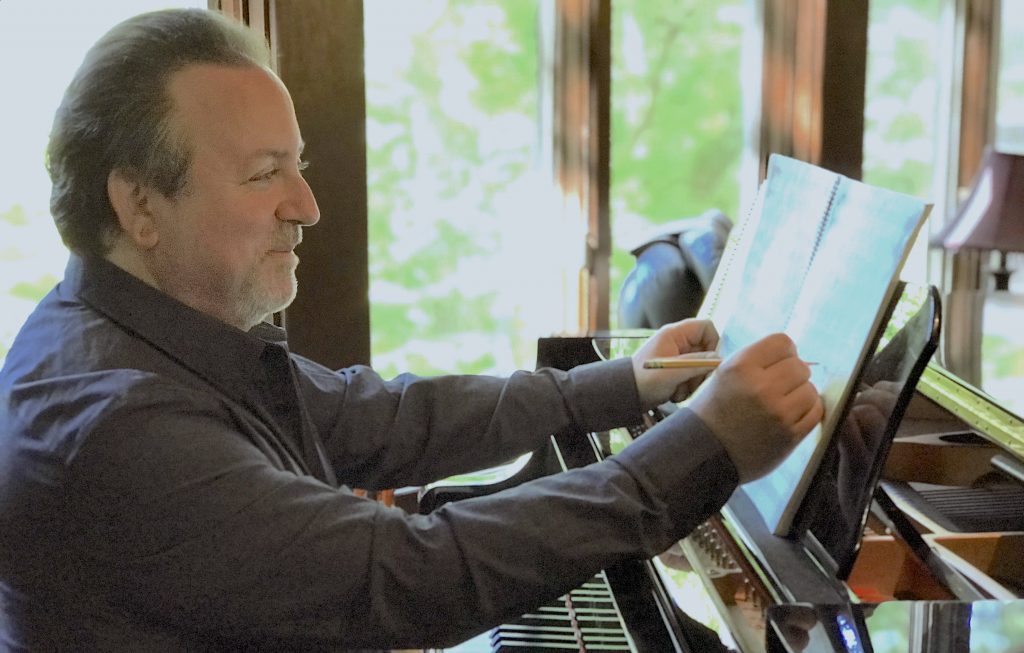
70,368
59,412
65,338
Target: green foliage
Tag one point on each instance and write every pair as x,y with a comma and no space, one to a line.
15,216
1004,358
679,154
901,75
433,177
514,71
912,63
929,9
420,363
35,290
677,130
469,313
483,362
676,140
910,176
906,127
391,326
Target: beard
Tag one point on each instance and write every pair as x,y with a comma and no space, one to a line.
267,289
240,297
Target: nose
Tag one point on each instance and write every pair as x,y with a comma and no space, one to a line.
299,205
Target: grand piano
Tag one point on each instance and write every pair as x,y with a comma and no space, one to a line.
911,537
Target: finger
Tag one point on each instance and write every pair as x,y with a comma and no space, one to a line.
794,405
688,387
769,350
790,373
693,335
810,419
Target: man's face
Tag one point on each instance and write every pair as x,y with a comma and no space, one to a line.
225,244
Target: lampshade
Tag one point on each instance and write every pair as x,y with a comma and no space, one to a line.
992,217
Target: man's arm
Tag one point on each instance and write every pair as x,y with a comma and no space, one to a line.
182,521
413,430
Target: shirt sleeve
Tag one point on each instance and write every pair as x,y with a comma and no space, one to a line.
414,430
180,520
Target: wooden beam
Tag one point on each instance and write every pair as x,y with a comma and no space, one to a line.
581,133
319,46
843,84
978,99
813,81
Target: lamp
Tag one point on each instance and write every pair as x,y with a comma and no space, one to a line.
992,217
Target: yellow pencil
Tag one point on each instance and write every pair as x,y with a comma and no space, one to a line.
678,363
685,363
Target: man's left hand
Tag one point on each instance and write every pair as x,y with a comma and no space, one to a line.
656,386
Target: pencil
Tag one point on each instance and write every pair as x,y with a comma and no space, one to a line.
685,363
678,363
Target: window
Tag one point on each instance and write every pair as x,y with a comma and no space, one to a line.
678,118
913,127
460,250
906,100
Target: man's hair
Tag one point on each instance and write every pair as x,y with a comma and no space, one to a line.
115,115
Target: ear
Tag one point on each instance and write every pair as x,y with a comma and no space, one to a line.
130,201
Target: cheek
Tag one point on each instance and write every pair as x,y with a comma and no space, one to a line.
238,236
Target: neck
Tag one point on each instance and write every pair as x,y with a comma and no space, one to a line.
129,259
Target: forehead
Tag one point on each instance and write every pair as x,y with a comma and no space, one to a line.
233,110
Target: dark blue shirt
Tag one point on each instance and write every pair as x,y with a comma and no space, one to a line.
170,483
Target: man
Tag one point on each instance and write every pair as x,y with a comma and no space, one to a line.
172,478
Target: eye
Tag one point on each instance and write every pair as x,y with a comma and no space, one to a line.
265,176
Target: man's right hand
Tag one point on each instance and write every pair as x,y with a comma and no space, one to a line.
760,403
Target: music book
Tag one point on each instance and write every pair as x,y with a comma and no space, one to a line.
817,257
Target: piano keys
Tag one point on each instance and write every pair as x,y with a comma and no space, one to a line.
585,619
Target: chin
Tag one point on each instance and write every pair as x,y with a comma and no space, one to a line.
278,302
286,296
269,299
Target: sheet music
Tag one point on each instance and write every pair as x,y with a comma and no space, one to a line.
818,258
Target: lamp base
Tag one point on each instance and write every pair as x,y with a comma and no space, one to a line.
1002,274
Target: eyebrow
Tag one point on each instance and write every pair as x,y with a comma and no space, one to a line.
275,154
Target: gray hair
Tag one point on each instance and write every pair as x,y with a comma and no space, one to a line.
115,115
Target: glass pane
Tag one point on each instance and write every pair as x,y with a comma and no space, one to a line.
905,111
458,249
41,46
902,96
1002,346
677,117
1010,104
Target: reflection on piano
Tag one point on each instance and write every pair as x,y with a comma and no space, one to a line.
868,555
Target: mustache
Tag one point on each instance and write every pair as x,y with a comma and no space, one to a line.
287,239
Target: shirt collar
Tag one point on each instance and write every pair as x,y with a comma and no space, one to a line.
217,351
